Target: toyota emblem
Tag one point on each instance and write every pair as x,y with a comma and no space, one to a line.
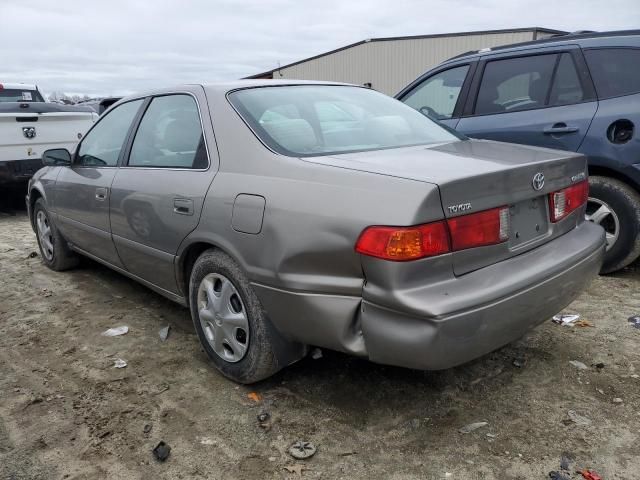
538,181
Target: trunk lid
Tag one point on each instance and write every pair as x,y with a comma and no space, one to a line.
476,175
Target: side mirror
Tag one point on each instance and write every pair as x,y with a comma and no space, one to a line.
56,157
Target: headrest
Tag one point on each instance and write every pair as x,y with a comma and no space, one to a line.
294,134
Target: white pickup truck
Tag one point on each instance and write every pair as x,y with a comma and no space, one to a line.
29,126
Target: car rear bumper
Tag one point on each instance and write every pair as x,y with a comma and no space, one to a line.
18,171
508,299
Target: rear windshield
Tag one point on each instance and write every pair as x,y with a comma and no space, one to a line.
19,95
312,120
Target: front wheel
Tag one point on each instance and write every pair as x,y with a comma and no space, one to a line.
230,322
615,206
54,250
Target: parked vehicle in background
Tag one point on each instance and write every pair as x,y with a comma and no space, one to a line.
578,92
29,126
99,105
321,214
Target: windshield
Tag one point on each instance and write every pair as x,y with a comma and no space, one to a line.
311,120
19,95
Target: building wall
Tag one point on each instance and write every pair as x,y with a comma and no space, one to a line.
390,65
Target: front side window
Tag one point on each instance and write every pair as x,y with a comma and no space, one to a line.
515,84
437,95
170,135
101,147
615,71
311,120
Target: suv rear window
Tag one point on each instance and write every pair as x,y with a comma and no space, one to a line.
19,95
615,71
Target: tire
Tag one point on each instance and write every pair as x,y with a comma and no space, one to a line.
619,207
222,339
54,249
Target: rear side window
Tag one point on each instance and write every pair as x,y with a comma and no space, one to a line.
101,147
615,71
566,88
437,95
515,84
170,135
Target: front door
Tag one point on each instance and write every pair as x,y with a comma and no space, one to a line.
537,100
82,193
158,193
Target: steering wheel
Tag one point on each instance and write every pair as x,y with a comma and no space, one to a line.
430,112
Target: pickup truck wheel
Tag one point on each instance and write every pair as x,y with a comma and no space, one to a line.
230,322
615,206
54,250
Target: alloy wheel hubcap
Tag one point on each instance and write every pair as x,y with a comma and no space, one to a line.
601,213
44,235
223,317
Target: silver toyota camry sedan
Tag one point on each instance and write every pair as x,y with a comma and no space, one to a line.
294,214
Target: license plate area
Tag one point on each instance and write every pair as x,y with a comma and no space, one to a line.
529,221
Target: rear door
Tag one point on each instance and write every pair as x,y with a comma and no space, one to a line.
82,191
542,98
441,94
158,193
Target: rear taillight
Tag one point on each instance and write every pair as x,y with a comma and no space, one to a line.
411,243
404,243
563,202
483,228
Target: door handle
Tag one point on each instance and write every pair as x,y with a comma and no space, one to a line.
183,206
101,194
560,127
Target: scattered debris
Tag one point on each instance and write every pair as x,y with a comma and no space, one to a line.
565,462
119,363
116,331
301,450
578,419
46,292
32,255
590,475
578,365
599,365
491,435
414,423
164,333
617,400
162,451
566,320
297,468
584,323
263,417
147,428
635,321
207,441
316,354
255,396
163,387
348,454
555,475
519,362
472,426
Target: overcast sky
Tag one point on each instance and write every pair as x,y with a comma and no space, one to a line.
122,46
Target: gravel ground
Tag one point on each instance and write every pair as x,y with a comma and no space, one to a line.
67,413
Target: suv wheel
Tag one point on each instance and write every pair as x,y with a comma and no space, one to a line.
616,207
230,322
54,250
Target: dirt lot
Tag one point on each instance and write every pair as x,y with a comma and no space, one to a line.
66,412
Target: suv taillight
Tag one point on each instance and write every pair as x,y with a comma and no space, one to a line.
488,227
565,201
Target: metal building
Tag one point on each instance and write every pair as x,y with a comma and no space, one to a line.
389,64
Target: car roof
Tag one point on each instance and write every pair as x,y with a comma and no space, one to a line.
18,86
577,38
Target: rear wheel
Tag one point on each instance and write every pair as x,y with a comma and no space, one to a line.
230,322
615,206
54,250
